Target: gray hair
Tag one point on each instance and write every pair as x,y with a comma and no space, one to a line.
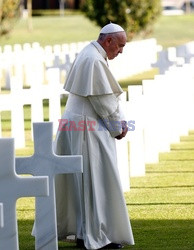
103,36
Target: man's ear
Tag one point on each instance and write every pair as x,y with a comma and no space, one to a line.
108,41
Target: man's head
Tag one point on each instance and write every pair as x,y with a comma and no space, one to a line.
113,39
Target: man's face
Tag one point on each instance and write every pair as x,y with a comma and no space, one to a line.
115,45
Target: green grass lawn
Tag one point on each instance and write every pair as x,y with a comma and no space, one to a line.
174,30
53,30
160,204
169,30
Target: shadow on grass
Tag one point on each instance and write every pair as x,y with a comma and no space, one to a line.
163,234
160,204
148,234
152,187
26,241
169,172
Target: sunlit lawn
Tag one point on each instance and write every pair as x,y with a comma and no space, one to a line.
53,30
174,30
169,30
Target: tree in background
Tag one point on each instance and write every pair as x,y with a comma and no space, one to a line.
135,16
29,18
9,13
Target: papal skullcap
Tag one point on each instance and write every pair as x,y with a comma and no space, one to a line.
111,28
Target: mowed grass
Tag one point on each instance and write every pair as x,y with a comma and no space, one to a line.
161,203
168,30
53,30
174,30
161,208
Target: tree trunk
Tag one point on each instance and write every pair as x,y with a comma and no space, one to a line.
29,8
62,7
188,7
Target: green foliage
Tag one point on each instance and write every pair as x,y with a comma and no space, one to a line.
9,12
134,16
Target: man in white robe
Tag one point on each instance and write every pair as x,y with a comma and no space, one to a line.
91,205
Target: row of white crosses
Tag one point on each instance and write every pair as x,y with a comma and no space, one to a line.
18,97
44,164
174,56
27,97
30,59
25,61
140,136
186,51
38,92
29,62
164,97
162,110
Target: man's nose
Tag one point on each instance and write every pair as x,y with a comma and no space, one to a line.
121,50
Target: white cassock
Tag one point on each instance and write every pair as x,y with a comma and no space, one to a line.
91,205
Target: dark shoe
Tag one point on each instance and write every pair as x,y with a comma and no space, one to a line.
113,246
80,243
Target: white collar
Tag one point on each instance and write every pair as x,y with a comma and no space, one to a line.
100,49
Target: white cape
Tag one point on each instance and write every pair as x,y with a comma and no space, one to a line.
90,74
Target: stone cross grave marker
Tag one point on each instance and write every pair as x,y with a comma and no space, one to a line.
135,108
57,64
17,112
55,89
122,154
151,120
1,215
46,162
13,187
186,51
163,62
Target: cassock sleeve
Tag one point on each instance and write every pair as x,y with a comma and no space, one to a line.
107,107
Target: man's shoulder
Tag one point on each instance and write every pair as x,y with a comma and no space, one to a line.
90,53
90,49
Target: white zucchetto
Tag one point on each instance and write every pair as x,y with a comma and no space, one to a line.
111,28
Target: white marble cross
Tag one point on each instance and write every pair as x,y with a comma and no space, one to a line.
46,162
1,215
163,62
61,66
122,153
186,51
13,187
135,108
17,112
55,89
